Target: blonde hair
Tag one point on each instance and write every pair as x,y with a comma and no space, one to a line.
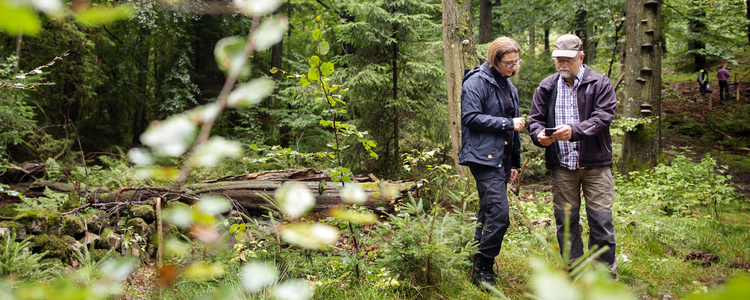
499,47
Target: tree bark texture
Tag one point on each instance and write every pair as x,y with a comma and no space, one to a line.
485,21
460,52
643,85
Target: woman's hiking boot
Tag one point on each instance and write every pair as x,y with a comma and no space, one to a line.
483,271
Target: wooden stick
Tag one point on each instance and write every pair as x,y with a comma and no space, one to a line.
517,189
736,88
160,234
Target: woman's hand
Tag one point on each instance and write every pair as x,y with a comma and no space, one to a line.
519,123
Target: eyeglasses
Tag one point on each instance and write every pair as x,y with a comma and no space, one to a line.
513,64
567,61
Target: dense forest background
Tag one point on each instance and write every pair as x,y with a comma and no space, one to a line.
123,123
120,77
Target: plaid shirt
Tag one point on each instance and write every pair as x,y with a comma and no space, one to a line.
566,113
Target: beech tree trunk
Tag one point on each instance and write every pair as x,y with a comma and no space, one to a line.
643,80
459,48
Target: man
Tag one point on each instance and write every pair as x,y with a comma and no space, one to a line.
703,81
579,104
722,75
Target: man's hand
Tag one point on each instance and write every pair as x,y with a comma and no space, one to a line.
519,123
563,133
513,175
545,140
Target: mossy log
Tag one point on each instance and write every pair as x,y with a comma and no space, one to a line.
247,190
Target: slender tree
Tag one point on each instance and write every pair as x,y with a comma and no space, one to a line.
459,50
643,80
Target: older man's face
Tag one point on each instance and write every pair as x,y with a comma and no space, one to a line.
569,67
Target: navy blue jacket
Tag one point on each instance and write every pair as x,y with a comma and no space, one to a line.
485,128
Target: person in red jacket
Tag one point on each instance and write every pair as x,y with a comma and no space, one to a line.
722,75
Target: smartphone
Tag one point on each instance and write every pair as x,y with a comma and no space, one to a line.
549,131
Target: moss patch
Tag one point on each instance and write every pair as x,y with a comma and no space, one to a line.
145,212
72,225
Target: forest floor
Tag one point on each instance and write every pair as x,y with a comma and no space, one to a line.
688,101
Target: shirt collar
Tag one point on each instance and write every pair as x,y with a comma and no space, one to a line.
579,76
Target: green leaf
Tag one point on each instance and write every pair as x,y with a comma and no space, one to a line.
118,269
275,70
253,8
295,289
213,205
139,156
179,216
346,178
105,14
327,68
353,193
254,147
210,153
310,236
355,217
323,48
303,81
314,61
233,228
317,34
202,271
172,137
257,275
251,93
229,53
15,19
313,74
294,199
270,32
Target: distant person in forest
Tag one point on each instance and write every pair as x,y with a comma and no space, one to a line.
570,116
491,146
722,75
703,81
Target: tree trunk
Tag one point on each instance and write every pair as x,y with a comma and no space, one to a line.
395,137
697,28
581,30
485,21
532,37
460,52
643,80
747,13
18,53
546,40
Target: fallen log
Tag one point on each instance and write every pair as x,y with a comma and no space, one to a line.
247,190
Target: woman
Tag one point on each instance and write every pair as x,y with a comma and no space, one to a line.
491,146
